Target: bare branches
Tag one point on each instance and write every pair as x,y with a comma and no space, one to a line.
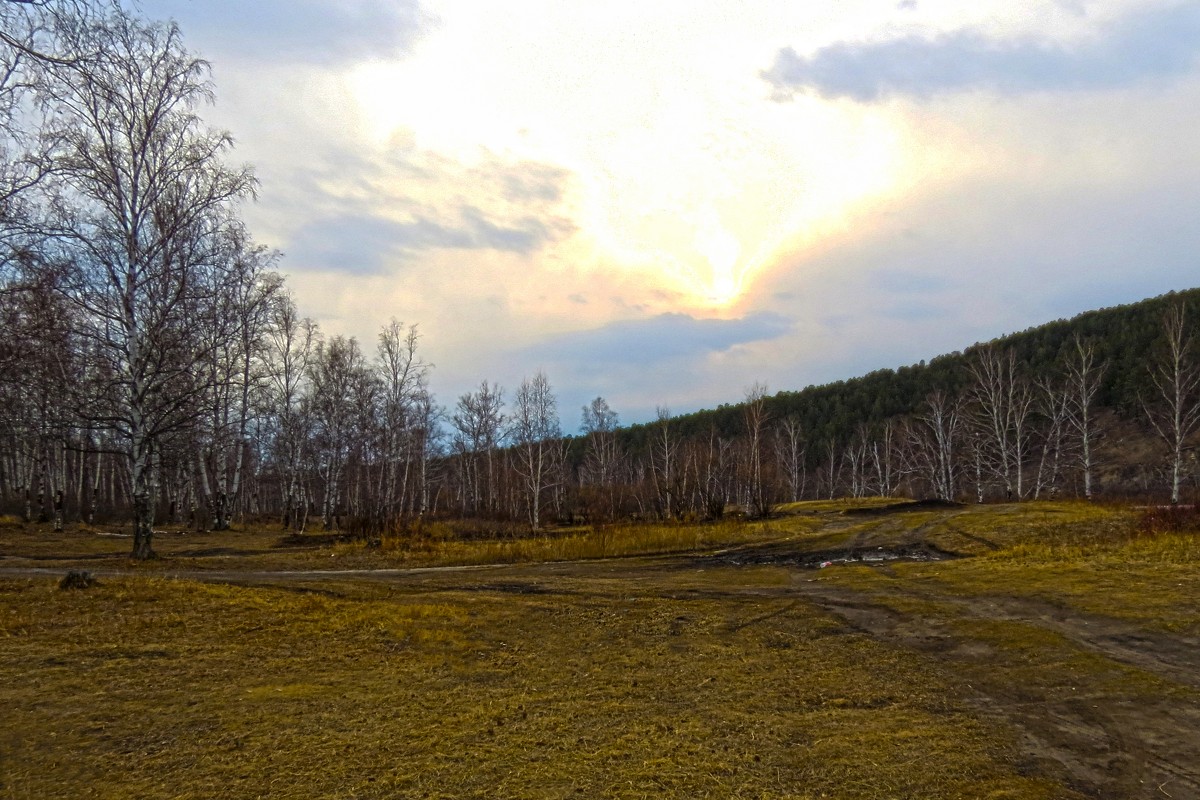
1083,382
534,427
1175,375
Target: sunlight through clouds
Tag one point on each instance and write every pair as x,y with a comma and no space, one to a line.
515,175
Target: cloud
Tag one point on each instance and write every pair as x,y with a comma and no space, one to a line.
367,244
305,31
1153,44
661,338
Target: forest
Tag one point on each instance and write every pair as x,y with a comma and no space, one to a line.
154,367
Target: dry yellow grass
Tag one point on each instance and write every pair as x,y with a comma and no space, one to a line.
151,688
621,678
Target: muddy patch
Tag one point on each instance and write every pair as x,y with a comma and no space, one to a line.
820,559
901,507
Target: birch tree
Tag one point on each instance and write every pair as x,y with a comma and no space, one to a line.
235,342
1054,408
664,450
403,384
479,421
790,456
599,424
934,439
534,432
1083,382
291,347
340,383
1175,413
1001,402
755,418
143,196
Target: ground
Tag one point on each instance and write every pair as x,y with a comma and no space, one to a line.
843,650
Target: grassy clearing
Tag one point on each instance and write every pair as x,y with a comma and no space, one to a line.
142,687
642,678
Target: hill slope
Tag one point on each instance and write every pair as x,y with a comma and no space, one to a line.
1123,337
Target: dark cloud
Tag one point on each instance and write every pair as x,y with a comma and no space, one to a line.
1152,44
364,244
659,339
307,31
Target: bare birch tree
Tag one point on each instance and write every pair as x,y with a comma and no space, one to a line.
755,419
664,450
1054,408
1175,413
1001,402
341,382
403,383
1083,381
534,432
934,439
599,424
790,455
142,200
479,421
291,347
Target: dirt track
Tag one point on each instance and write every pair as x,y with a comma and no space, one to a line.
1101,744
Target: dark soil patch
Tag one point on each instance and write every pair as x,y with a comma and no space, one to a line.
209,552
931,504
787,555
307,540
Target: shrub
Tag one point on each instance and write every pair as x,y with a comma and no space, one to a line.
1169,519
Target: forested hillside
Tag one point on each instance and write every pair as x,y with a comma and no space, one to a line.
839,425
1124,338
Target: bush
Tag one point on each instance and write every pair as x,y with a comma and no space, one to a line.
1169,519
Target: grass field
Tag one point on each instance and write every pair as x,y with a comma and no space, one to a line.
1056,661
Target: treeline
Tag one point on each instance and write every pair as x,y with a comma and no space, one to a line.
153,365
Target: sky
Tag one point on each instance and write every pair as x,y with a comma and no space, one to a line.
664,203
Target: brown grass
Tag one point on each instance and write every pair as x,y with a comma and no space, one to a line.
621,680
151,688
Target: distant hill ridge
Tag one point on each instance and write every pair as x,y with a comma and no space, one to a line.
1124,337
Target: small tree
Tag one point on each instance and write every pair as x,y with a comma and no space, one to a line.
1176,377
534,431
755,418
1083,382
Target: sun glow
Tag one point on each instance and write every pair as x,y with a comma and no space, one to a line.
721,249
690,181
